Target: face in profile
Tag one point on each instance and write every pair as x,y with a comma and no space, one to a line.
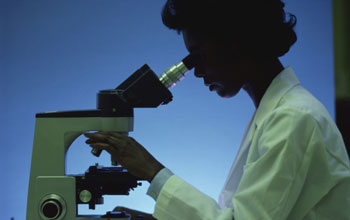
219,64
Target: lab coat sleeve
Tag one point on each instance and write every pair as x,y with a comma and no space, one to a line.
287,151
158,182
179,200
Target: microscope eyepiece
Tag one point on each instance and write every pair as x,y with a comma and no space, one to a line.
176,72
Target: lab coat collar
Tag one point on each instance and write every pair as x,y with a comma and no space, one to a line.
282,83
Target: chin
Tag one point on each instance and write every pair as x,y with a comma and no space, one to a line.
227,94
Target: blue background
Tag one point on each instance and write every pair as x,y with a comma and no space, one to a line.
56,55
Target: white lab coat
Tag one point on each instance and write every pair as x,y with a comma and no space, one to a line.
292,164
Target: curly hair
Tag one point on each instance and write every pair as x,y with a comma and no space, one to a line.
256,26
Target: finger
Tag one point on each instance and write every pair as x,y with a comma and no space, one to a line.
101,146
105,141
117,133
119,209
94,141
114,134
112,138
115,160
97,136
102,138
111,150
134,213
120,139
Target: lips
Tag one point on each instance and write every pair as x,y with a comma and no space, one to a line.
213,87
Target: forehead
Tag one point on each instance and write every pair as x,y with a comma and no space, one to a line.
195,42
192,42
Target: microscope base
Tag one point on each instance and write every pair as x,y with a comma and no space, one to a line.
55,199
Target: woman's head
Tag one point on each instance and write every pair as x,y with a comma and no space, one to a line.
233,41
256,27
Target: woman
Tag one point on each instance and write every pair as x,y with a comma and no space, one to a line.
292,162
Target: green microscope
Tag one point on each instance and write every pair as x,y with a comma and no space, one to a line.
52,194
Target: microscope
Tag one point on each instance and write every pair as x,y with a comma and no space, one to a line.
52,194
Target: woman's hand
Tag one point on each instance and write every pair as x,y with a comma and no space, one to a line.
128,152
134,213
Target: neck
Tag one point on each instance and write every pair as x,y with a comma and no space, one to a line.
261,79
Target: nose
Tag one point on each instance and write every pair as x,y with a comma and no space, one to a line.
198,72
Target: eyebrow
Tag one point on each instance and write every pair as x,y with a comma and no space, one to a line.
193,49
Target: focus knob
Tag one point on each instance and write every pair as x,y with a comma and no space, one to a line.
52,207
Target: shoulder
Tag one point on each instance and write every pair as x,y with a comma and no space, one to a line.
299,118
299,107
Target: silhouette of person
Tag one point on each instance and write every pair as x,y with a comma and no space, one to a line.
292,163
